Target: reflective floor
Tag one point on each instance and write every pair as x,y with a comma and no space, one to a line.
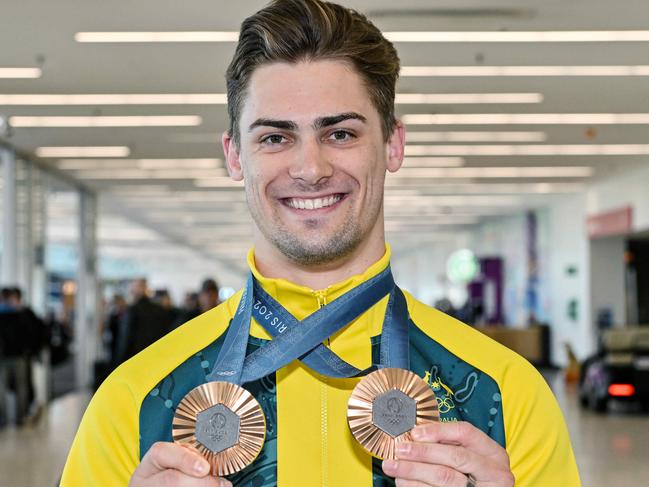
611,449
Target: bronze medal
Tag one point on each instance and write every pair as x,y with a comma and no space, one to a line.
224,422
385,406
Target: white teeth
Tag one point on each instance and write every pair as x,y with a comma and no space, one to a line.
313,204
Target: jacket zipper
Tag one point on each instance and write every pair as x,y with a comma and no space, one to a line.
321,297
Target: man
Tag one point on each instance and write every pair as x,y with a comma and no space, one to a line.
209,295
144,323
311,105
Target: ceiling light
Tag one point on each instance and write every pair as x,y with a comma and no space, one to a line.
125,99
195,36
433,161
109,151
459,71
466,98
147,173
528,150
20,73
217,182
498,172
476,136
522,36
395,186
526,119
78,164
107,121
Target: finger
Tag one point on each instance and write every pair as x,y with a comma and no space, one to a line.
409,483
175,478
162,456
457,457
429,474
460,433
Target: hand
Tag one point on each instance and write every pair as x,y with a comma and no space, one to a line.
169,464
445,454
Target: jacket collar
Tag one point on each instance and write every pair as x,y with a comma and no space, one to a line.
301,301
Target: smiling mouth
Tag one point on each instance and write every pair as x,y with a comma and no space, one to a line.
313,203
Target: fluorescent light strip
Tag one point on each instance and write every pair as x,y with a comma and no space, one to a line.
460,71
97,151
394,36
137,37
522,36
107,121
476,136
20,73
528,150
466,98
433,161
221,99
527,119
125,99
80,164
131,174
218,182
498,172
483,187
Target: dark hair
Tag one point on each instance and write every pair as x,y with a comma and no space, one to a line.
305,30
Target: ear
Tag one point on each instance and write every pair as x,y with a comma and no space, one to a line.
396,146
232,159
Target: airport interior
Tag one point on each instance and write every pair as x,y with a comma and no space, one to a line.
521,209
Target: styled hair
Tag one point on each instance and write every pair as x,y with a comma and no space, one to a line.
310,30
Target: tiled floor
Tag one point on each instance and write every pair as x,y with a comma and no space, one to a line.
611,449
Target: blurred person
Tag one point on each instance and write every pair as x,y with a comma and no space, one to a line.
163,298
143,323
209,295
14,356
116,315
312,134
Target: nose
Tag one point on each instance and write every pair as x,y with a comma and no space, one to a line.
311,164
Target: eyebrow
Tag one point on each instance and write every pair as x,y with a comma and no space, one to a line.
319,123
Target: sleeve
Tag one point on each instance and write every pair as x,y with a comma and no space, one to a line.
537,439
105,450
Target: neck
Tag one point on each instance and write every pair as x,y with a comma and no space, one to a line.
273,264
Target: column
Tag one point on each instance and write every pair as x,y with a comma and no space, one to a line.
9,222
87,319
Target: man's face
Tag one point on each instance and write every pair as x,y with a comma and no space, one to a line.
313,158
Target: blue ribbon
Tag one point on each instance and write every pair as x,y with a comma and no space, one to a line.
294,339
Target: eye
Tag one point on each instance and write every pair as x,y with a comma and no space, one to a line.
341,136
273,139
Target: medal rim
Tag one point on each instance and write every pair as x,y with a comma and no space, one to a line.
252,429
360,406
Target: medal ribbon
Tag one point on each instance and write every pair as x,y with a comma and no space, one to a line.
294,339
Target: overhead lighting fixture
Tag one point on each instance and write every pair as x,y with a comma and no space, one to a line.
106,121
521,36
394,36
80,164
124,99
217,182
460,71
528,150
103,151
476,136
139,37
484,187
20,73
526,119
433,162
497,172
147,174
466,98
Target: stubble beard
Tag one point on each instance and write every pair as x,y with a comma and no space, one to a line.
307,248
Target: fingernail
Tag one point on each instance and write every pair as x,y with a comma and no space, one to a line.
390,466
201,467
404,448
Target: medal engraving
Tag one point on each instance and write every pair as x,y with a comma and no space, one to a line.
224,422
394,412
217,428
385,406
